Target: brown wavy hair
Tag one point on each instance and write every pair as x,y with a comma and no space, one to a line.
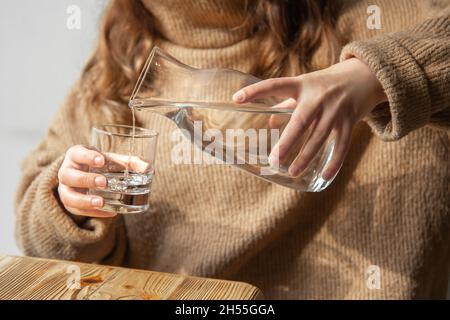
290,31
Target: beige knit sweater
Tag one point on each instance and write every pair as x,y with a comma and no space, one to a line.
388,207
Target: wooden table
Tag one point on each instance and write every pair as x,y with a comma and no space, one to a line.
32,278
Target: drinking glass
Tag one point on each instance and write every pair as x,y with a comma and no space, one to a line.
129,166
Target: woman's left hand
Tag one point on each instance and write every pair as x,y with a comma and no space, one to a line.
332,100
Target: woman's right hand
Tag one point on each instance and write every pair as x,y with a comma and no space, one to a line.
74,180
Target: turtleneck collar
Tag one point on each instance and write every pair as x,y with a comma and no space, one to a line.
201,23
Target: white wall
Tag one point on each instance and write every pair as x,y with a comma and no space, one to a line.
40,58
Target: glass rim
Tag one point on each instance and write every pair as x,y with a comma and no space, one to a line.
139,131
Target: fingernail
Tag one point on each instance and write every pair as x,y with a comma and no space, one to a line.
96,202
326,176
239,96
98,160
100,181
273,161
294,171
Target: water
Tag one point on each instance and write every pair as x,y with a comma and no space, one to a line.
126,192
131,145
259,108
182,113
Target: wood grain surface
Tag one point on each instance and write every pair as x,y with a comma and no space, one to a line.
44,279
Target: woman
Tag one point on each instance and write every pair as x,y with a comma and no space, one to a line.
387,212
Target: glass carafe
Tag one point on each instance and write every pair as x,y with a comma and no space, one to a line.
200,102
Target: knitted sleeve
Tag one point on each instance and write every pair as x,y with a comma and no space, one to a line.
414,69
43,227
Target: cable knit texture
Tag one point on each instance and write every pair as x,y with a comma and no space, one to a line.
388,207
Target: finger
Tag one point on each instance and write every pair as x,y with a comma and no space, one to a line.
298,124
343,139
276,121
275,87
70,198
81,155
138,165
91,213
133,163
79,179
311,147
